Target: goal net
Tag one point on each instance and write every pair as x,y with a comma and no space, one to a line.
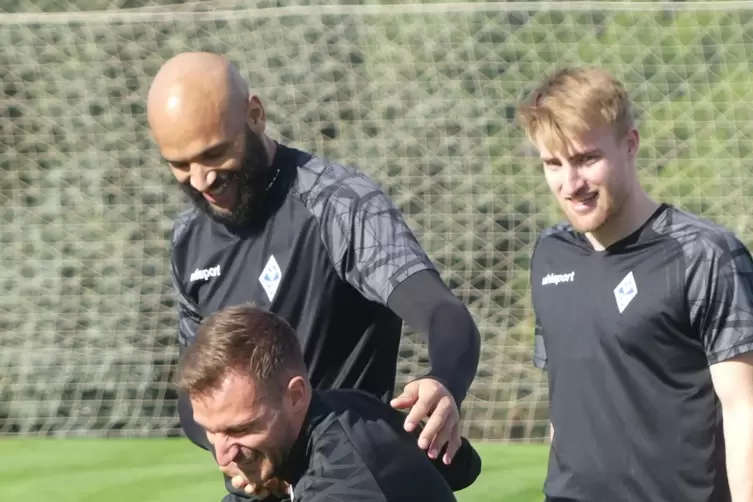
420,96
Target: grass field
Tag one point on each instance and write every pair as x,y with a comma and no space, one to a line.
173,470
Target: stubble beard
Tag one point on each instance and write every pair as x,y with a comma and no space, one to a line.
591,222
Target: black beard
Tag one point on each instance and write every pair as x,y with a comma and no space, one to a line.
250,180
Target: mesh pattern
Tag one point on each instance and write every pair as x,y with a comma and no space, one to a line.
421,97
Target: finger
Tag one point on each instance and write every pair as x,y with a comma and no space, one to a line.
443,435
403,401
407,398
418,412
454,445
436,422
259,492
239,481
231,470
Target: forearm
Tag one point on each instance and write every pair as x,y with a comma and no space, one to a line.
738,439
426,304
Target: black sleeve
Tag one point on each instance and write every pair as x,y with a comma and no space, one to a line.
720,296
370,244
425,303
539,346
189,318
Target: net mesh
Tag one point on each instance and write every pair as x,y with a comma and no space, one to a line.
420,96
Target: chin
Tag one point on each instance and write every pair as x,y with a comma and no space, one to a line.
589,223
222,212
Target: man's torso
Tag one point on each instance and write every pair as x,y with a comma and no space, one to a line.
632,403
326,257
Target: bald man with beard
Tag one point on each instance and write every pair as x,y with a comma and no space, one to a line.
313,241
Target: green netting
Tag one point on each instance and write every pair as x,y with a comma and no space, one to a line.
420,98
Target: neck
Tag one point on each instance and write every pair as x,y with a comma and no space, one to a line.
270,147
296,462
635,210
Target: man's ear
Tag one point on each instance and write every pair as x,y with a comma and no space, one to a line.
298,393
633,142
257,116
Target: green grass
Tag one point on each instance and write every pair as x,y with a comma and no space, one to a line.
173,470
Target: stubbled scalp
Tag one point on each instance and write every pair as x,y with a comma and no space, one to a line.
195,92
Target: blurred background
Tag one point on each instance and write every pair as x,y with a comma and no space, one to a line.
419,95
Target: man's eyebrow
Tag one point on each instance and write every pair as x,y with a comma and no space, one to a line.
217,146
574,158
241,427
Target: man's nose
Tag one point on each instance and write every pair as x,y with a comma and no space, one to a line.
201,177
224,450
573,181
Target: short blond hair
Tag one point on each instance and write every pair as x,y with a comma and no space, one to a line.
573,101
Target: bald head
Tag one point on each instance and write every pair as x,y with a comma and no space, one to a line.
211,131
196,95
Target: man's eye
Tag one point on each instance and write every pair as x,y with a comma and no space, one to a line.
213,155
591,159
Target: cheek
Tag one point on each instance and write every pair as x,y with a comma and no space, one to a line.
251,441
180,175
231,164
553,181
604,173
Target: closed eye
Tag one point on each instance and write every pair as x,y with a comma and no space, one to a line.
216,152
241,429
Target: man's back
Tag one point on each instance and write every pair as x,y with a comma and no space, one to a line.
353,447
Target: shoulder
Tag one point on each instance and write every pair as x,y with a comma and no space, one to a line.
184,229
322,182
183,224
336,466
559,231
699,238
361,420
353,408
560,234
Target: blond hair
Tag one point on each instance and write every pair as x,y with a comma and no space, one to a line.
573,101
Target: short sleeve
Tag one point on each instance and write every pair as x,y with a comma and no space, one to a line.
189,317
371,245
720,296
539,347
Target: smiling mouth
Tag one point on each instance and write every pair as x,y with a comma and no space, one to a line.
586,199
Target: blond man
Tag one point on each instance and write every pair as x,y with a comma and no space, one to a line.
644,316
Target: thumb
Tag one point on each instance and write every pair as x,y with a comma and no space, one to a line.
408,398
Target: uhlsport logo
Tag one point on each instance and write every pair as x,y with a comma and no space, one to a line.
557,278
203,274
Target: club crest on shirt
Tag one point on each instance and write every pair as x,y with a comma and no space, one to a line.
270,277
625,291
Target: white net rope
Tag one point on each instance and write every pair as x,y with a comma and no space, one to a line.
419,96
